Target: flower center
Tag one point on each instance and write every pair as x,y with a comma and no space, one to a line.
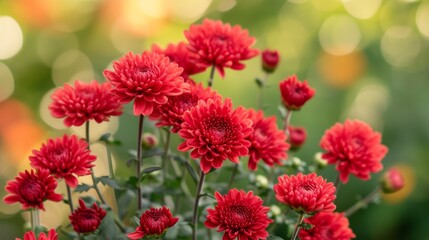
218,130
238,216
31,190
88,221
308,186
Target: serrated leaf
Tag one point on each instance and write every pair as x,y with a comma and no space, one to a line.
191,171
82,188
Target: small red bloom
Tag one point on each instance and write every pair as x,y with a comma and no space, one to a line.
355,148
268,142
297,136
154,222
171,113
52,235
64,157
86,220
295,93
31,189
215,132
392,181
240,214
220,44
83,102
270,60
149,79
180,54
327,226
307,194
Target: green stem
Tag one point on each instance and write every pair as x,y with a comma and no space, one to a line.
69,198
210,81
33,219
110,161
139,161
261,91
195,211
362,203
92,170
287,121
337,183
234,172
165,157
298,226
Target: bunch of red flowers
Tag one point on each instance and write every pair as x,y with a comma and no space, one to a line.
212,130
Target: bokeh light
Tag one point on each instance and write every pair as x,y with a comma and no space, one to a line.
362,9
400,46
189,10
6,82
51,43
422,19
11,37
97,129
72,65
339,35
45,114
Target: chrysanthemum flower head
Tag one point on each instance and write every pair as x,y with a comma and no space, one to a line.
149,79
295,93
180,54
297,136
83,102
154,222
31,189
239,215
355,148
171,113
270,60
268,142
86,220
30,235
221,44
307,194
215,132
327,226
64,157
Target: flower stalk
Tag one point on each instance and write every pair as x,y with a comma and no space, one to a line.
211,78
195,210
139,161
363,203
298,226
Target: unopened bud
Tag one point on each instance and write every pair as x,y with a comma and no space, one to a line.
392,181
320,162
261,181
270,60
275,210
297,136
149,141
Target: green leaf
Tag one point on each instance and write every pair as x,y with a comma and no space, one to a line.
105,180
259,82
306,226
152,152
191,171
282,111
150,170
82,188
132,181
137,221
272,237
105,137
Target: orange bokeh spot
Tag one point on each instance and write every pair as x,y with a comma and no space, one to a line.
34,12
409,176
342,71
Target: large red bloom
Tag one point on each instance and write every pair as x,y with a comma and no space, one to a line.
83,102
240,214
86,220
295,93
268,142
52,235
31,189
307,194
327,226
148,79
180,54
220,44
154,222
355,148
64,157
171,113
215,132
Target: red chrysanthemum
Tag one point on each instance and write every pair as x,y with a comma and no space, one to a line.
171,113
297,136
86,220
148,79
64,157
154,222
355,148
307,194
83,102
31,189
240,214
295,93
52,235
327,226
270,60
220,44
268,142
215,132
180,54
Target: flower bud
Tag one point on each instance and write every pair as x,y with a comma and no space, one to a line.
297,136
261,181
295,93
275,210
149,141
270,60
320,162
392,181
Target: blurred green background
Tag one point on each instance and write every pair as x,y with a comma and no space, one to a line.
367,59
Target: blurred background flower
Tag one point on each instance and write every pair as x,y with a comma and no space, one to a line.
367,59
